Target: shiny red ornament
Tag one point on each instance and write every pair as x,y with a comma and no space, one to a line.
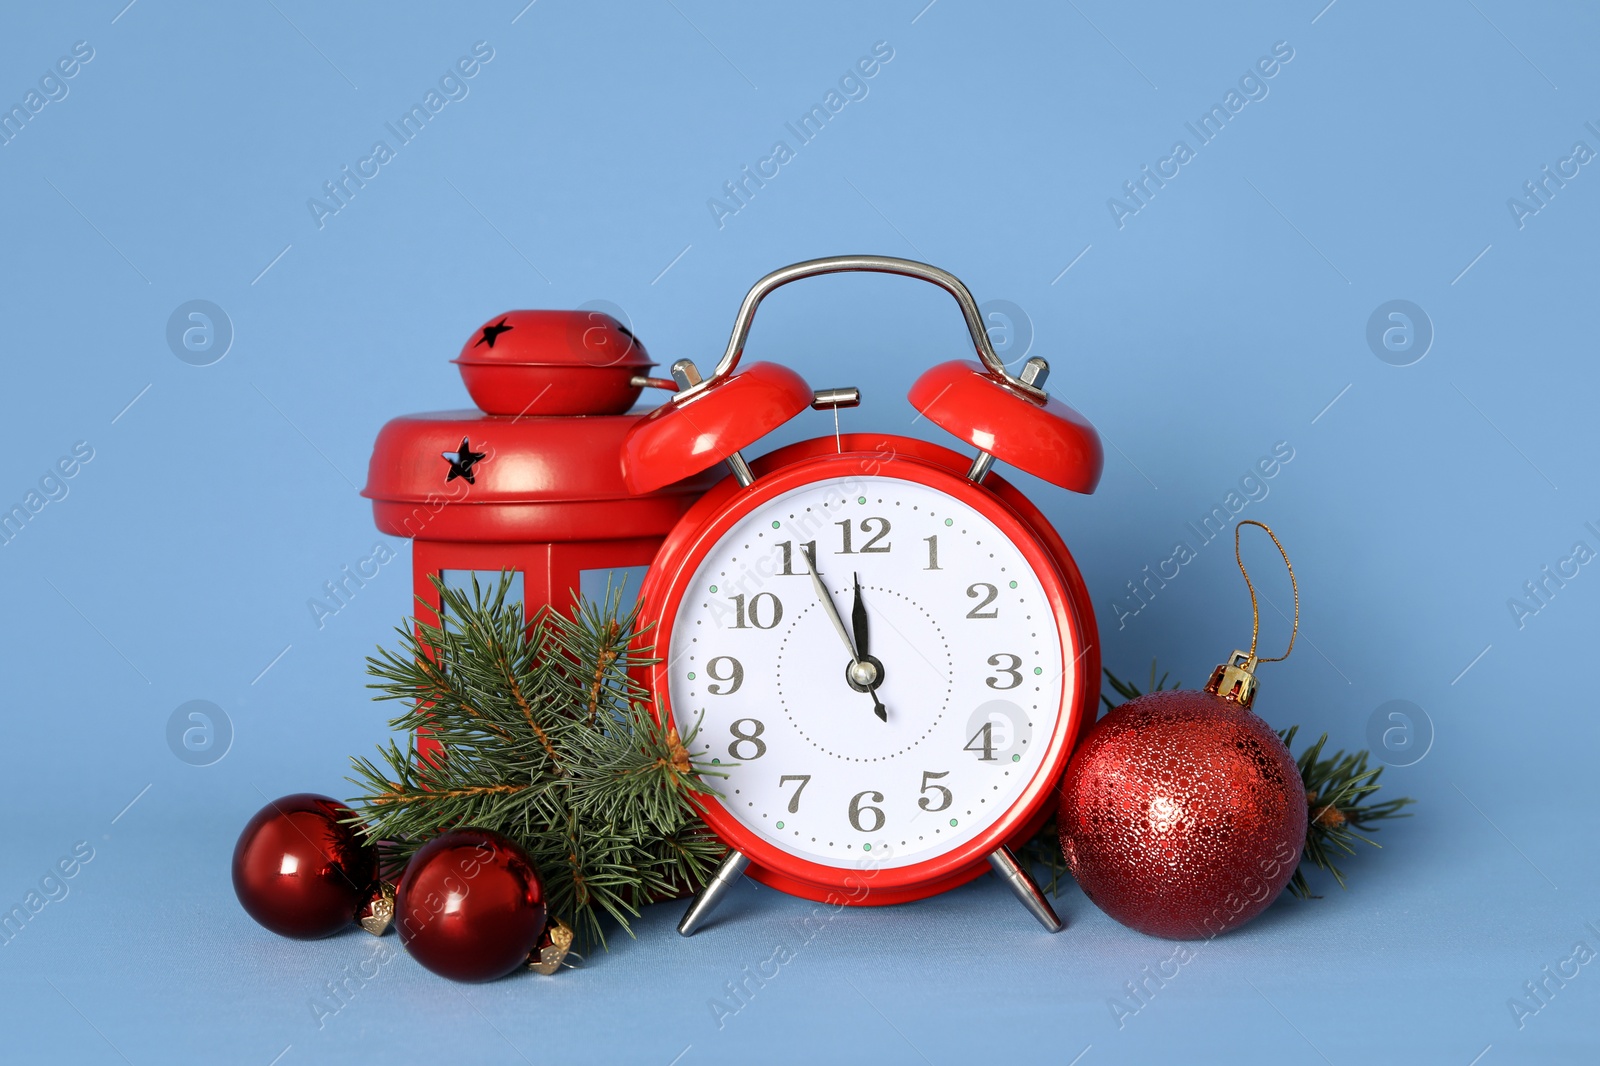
471,906
1182,814
301,870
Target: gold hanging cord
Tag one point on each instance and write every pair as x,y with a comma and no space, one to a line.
1235,679
1255,610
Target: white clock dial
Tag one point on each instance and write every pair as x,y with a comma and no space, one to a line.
963,652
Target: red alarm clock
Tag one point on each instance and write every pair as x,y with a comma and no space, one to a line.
884,646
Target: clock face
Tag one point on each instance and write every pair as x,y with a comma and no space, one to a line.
963,655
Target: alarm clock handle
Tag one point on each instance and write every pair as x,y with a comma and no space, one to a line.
1030,382
1026,889
706,900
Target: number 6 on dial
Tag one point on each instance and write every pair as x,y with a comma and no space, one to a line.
838,687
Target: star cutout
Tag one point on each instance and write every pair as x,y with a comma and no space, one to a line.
461,462
492,333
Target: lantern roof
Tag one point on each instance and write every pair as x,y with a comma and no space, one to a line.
552,363
542,460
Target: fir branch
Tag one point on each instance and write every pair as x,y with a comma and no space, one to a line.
608,655
547,737
515,688
474,791
1337,788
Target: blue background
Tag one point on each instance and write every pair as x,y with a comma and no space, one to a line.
1224,316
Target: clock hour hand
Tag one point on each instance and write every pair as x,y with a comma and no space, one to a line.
863,672
871,676
858,619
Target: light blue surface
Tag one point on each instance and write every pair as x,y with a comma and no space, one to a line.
1230,312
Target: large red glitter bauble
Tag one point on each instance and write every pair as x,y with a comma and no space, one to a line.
470,906
1182,814
301,869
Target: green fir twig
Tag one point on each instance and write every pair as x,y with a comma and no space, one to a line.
1337,790
547,738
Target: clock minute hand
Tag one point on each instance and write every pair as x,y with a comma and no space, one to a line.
833,610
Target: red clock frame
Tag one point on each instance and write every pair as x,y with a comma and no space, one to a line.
996,499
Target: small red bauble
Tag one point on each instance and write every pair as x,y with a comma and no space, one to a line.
1182,814
470,905
301,870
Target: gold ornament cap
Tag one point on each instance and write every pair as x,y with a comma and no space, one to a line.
1235,680
553,949
378,912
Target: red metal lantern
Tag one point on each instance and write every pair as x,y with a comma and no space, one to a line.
531,482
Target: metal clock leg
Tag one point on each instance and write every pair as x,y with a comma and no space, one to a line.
1009,870
727,875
